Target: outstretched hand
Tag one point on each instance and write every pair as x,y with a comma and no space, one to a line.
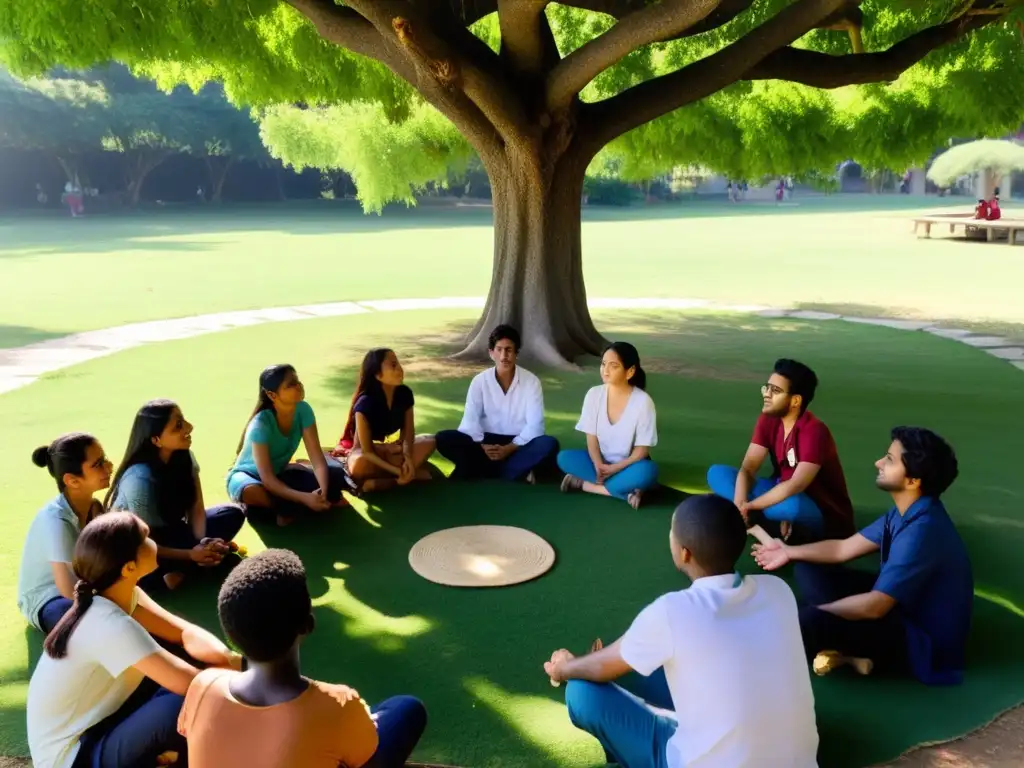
771,555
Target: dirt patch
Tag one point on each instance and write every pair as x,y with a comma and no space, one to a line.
999,745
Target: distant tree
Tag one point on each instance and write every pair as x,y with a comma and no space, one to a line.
60,117
223,136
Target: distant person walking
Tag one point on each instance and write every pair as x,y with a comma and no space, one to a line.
73,199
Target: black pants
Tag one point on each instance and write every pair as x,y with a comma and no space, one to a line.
222,522
471,463
300,477
884,640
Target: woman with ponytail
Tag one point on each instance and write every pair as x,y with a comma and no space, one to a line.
46,582
104,693
263,477
620,423
158,480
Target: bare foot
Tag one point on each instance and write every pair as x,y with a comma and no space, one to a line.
167,758
423,474
571,483
173,580
785,530
828,661
283,521
597,645
531,478
378,484
635,498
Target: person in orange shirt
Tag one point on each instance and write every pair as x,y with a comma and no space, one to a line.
269,715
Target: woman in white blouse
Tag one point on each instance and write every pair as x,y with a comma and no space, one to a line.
621,427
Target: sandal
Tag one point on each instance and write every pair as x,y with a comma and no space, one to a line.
635,498
571,483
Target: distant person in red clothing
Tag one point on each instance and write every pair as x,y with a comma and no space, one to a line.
981,211
807,491
994,212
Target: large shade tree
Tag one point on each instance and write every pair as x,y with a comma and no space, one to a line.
537,89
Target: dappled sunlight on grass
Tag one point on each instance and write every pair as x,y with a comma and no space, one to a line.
539,720
387,633
13,694
1002,602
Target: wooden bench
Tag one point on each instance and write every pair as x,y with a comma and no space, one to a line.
971,225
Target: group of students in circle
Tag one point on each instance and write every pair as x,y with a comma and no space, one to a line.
124,682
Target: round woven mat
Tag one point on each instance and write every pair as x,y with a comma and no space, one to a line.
481,556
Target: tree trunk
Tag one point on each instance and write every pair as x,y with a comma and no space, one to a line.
218,175
537,278
281,194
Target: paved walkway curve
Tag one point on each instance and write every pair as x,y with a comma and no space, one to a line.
20,366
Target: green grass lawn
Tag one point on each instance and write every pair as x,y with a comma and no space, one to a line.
59,275
475,656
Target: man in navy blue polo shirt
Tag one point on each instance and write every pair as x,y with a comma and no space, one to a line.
915,614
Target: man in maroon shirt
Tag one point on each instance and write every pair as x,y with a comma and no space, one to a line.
807,490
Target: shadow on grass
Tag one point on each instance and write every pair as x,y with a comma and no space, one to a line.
130,230
20,335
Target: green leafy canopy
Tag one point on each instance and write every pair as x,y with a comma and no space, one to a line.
322,105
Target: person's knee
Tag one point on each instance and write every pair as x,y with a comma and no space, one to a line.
414,713
256,496
721,479
448,442
545,445
648,474
581,701
568,461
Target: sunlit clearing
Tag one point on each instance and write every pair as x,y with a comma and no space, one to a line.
387,633
1002,602
13,695
542,722
363,510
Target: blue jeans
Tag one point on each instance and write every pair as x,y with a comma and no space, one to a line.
471,463
53,610
401,721
632,735
640,476
143,728
798,509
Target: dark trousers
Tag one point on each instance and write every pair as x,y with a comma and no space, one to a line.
300,477
884,640
222,522
53,610
401,721
143,728
471,463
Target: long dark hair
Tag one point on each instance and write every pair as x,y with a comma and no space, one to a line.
630,359
368,384
270,381
104,547
175,481
64,456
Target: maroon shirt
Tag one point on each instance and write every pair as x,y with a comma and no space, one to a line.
810,441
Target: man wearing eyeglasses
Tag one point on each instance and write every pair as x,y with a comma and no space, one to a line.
807,491
915,614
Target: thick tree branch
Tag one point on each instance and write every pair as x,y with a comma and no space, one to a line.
343,26
642,103
663,20
450,62
468,12
821,70
526,40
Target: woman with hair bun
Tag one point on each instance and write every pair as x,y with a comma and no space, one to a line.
46,583
620,423
105,694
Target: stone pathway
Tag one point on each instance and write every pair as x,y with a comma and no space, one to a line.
20,366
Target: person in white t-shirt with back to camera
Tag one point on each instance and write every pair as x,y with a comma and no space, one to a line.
713,675
105,694
620,423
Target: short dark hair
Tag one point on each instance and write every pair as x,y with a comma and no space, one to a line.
264,604
928,458
802,380
504,331
713,529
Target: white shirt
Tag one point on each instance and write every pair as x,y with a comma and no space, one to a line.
68,696
51,539
518,412
638,424
736,669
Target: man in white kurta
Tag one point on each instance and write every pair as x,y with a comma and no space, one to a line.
502,429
